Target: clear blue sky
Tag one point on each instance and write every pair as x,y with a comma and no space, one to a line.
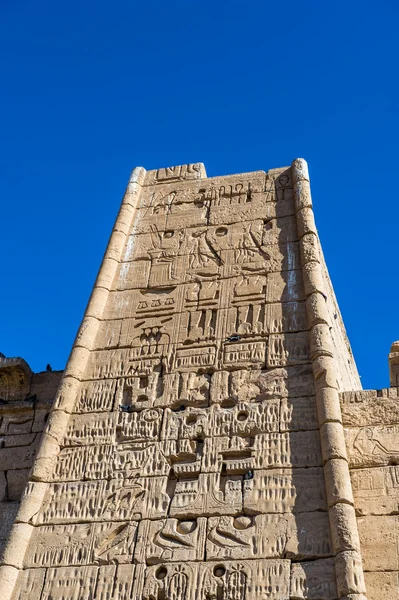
92,89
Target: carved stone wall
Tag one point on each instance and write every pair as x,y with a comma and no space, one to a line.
25,402
196,446
371,420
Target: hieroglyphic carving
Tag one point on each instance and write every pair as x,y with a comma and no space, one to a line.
182,172
369,446
230,580
191,465
170,540
285,490
314,580
129,497
82,544
376,490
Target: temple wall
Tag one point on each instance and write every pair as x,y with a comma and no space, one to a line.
371,420
21,424
200,445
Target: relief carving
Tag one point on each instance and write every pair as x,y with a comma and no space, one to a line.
191,466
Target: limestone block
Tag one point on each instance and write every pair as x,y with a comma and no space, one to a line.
97,302
294,449
170,540
234,455
87,332
316,309
16,481
332,441
81,544
328,408
174,175
122,228
280,230
313,580
85,583
250,354
305,221
19,423
372,446
310,248
379,536
8,510
66,395
338,484
324,372
308,536
285,490
302,196
376,490
92,428
364,408
8,579
88,462
313,280
298,414
382,585
288,349
291,382
46,459
40,418
207,494
320,341
108,334
115,500
16,544
57,424
246,537
139,426
24,439
243,419
285,317
95,396
246,206
76,365
31,502
286,286
246,579
349,572
131,274
20,457
343,528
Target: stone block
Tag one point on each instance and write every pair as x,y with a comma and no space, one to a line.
16,482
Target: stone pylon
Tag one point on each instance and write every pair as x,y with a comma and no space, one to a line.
195,449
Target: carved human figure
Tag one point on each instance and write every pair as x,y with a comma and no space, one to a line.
201,252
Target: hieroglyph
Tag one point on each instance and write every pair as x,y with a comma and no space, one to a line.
187,456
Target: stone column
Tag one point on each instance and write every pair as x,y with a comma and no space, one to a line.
343,525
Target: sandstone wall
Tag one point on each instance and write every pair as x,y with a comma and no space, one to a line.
195,449
371,420
21,424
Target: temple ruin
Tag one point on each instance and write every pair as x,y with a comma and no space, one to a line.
209,438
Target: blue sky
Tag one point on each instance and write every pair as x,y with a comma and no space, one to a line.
92,89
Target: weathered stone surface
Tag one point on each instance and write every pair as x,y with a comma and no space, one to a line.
380,542
373,446
382,585
196,446
313,580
